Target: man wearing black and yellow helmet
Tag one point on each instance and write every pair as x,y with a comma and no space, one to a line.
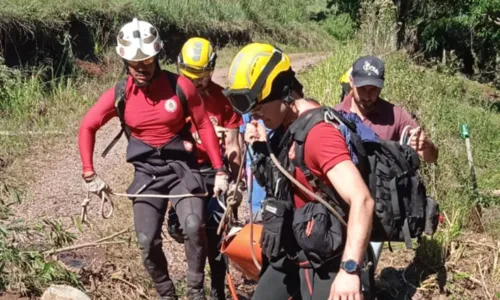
345,83
261,81
196,62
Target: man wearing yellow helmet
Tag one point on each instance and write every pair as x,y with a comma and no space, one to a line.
345,84
196,62
262,82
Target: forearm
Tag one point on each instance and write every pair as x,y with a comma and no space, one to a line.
359,228
234,158
233,151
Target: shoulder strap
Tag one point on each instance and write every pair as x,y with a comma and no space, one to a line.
173,79
299,130
120,89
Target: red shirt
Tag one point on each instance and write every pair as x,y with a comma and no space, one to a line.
386,120
324,148
220,112
154,115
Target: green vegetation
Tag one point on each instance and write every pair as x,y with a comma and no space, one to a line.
280,21
22,269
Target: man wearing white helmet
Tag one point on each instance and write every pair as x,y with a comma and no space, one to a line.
161,149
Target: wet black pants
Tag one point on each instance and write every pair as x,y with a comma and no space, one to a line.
149,214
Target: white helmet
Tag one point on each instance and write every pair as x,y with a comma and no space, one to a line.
138,40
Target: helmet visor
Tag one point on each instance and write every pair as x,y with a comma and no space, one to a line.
242,101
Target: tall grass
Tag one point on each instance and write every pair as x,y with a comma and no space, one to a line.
280,21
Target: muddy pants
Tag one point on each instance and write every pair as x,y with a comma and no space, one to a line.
149,214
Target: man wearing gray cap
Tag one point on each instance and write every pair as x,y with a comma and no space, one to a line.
387,120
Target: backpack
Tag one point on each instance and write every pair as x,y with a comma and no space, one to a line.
120,99
390,170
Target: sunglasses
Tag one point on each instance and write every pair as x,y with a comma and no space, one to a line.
145,62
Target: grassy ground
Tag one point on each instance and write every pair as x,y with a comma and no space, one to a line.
441,103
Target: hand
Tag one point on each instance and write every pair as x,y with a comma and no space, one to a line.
221,184
346,287
220,131
419,139
95,185
255,132
235,195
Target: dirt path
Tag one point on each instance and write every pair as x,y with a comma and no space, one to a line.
55,190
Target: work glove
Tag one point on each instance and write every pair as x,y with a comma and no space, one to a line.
96,185
275,215
235,195
221,184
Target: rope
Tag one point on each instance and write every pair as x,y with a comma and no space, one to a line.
306,190
252,250
105,197
231,203
404,135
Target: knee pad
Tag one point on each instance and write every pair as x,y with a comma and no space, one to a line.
146,244
193,225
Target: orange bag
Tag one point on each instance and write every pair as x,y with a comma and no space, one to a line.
237,249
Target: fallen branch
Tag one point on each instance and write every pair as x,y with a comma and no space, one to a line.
98,242
138,289
479,244
87,245
483,281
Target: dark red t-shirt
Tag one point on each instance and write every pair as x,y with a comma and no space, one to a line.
324,148
154,115
386,120
220,112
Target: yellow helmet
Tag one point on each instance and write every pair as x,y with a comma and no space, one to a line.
345,77
259,73
197,58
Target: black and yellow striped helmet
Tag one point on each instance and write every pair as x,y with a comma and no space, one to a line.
259,73
197,58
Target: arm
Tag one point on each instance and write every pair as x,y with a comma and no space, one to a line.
333,160
347,181
233,151
95,118
233,121
202,122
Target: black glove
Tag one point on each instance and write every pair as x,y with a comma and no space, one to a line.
275,215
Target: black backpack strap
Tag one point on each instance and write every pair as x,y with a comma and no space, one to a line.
173,79
120,90
299,130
